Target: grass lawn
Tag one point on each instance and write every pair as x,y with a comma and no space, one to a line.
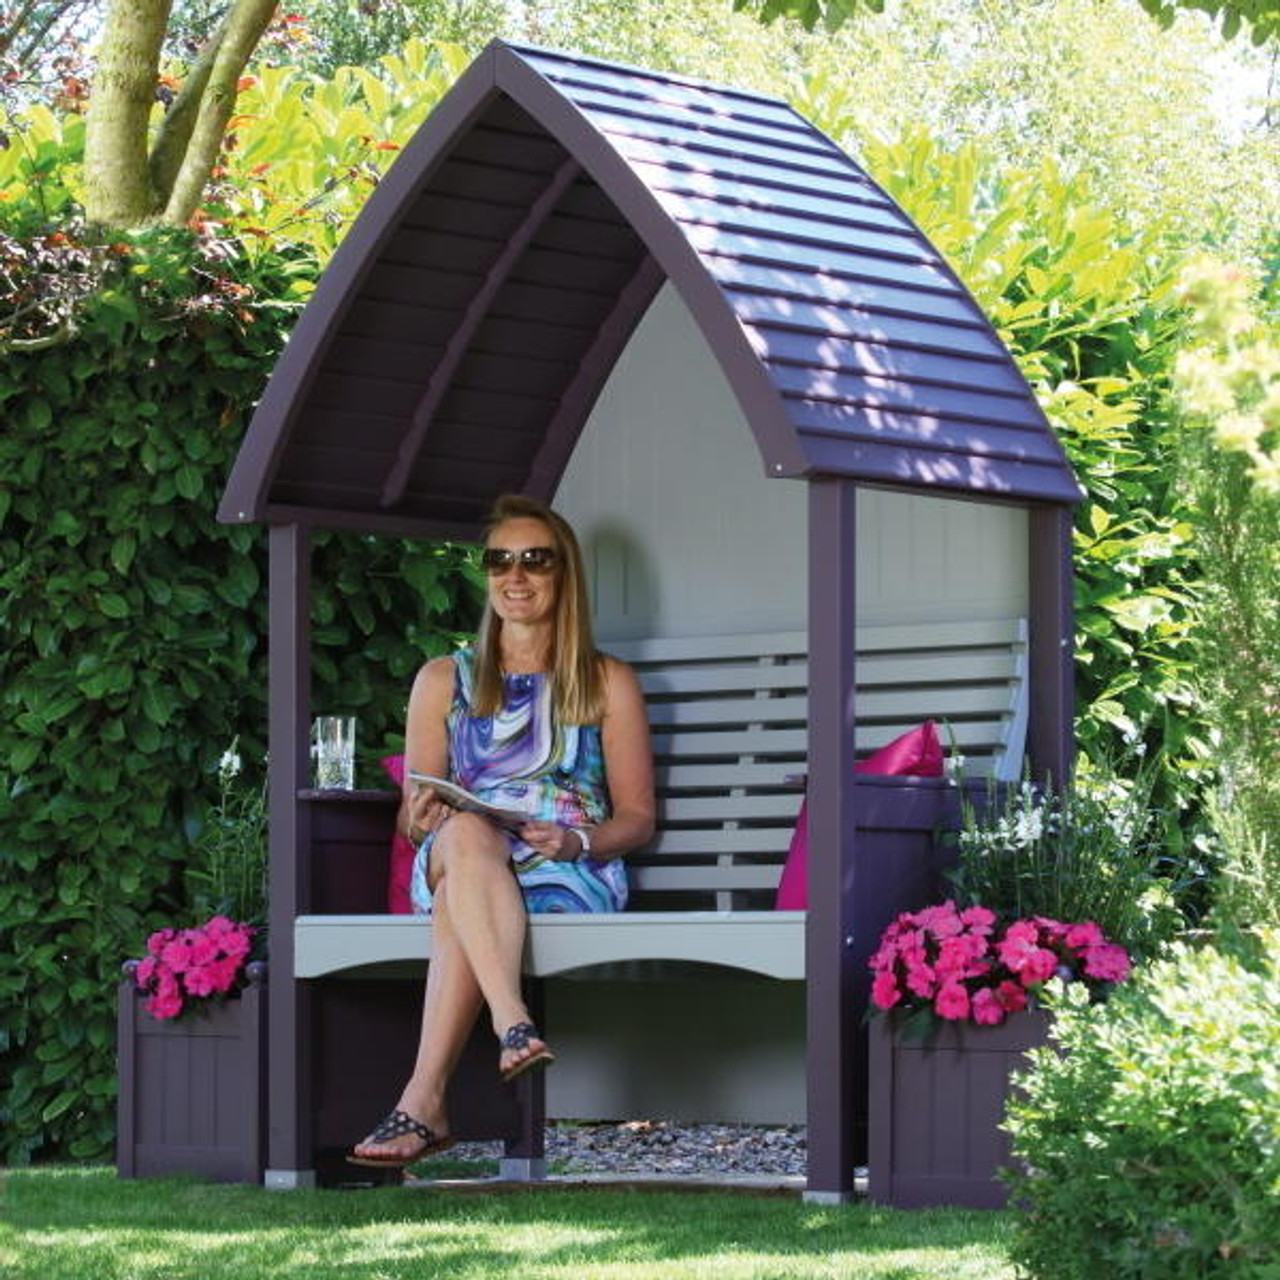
79,1223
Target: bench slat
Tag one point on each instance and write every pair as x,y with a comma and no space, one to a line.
943,668
912,705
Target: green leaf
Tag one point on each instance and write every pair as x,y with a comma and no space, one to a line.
114,606
123,550
64,1101
39,415
189,481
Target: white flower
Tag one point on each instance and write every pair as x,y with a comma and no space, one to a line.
1030,826
229,765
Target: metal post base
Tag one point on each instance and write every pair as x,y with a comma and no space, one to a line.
288,1179
828,1197
522,1169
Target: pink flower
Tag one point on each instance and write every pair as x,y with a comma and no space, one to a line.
156,943
1084,935
979,919
216,926
941,922
237,944
884,991
1038,967
145,972
203,950
199,981
223,973
1012,997
1108,961
921,980
166,1000
952,1002
987,1009
177,953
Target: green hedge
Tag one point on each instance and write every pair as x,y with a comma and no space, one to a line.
1152,1143
134,647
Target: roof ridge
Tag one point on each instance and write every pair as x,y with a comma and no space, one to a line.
645,73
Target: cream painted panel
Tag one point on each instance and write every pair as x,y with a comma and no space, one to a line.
685,535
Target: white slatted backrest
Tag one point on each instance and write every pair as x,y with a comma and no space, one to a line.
728,717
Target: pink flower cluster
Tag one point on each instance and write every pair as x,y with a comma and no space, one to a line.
959,963
186,963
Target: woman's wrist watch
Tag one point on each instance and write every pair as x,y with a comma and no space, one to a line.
584,840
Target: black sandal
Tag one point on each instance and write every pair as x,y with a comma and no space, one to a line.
518,1038
396,1124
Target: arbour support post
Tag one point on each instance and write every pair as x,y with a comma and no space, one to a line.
1050,726
836,1067
289,665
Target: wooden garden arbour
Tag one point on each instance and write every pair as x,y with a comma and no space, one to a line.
462,334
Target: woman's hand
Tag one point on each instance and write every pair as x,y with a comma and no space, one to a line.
426,813
551,840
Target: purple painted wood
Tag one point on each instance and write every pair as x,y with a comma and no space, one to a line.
935,1110
1050,726
466,328
834,1077
191,1092
289,712
714,186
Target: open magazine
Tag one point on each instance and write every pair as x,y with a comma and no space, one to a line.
461,798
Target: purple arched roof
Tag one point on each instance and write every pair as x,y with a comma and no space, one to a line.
459,338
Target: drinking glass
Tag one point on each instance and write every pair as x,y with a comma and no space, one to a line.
333,750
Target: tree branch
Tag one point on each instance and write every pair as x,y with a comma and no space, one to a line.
117,186
243,29
174,135
14,29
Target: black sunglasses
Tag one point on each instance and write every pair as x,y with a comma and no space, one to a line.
496,560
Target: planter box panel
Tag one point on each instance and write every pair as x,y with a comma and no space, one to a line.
936,1107
191,1092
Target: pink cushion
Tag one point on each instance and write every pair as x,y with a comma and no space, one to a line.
917,753
402,852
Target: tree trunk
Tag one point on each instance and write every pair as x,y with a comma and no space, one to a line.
239,37
118,190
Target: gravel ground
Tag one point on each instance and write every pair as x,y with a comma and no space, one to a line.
661,1148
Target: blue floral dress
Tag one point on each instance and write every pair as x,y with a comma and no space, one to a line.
522,759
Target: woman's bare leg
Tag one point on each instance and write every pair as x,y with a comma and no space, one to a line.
449,1010
487,913
478,939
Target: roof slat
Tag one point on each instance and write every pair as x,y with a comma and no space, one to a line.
794,135
904,395
843,355
788,253
804,230
868,324
572,74
721,142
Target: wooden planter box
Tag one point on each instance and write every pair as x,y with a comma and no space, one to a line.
936,1105
192,1092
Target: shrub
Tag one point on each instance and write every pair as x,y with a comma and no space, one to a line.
1151,1135
135,628
1095,853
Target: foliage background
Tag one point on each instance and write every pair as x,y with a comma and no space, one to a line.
135,649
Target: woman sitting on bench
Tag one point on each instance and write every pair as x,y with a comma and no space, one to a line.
532,718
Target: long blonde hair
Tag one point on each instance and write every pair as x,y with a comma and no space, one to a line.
576,669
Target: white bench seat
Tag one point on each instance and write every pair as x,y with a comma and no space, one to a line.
728,716
770,943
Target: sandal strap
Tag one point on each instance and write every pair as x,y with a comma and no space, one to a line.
519,1035
397,1124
